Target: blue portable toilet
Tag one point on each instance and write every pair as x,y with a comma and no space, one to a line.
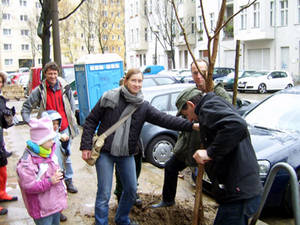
95,74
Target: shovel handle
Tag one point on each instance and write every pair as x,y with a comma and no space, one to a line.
198,216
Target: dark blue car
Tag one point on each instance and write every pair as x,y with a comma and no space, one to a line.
274,126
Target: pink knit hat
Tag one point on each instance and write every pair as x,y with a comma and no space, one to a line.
41,130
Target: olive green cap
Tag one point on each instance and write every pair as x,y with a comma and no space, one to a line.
185,96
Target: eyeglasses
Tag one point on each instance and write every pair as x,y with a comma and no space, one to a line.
195,73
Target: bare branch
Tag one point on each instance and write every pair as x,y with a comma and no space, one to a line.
204,20
232,16
73,11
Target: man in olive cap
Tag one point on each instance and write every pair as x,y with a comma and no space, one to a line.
227,153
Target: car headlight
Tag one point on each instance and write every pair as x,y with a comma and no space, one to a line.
264,167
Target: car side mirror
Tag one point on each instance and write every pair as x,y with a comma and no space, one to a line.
269,77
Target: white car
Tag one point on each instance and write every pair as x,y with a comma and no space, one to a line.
263,81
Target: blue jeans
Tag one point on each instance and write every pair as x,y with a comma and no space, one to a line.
67,159
126,169
53,219
238,212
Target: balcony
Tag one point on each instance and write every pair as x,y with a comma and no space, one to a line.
255,34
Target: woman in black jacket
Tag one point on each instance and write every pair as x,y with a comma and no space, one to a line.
120,147
4,197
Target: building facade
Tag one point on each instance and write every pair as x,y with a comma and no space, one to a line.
19,44
96,27
268,31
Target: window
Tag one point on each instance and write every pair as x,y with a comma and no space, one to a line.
119,49
113,49
193,25
161,102
112,14
136,8
104,37
23,17
6,31
119,37
272,14
5,2
243,19
200,23
38,5
25,47
104,25
7,46
81,35
137,34
40,61
145,7
284,12
8,62
256,15
132,37
131,10
104,13
104,2
112,37
24,32
298,11
146,34
23,3
39,47
6,16
118,14
212,21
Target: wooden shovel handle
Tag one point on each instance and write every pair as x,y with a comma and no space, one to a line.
198,216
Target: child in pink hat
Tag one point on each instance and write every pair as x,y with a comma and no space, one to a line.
40,178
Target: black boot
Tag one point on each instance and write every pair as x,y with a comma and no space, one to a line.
163,204
70,187
63,218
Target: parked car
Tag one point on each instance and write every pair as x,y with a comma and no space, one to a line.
159,142
23,81
228,80
13,77
274,127
158,80
221,72
152,69
263,81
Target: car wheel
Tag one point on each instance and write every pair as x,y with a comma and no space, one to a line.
160,150
262,88
289,86
287,200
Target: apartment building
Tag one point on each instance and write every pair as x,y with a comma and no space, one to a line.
19,44
268,31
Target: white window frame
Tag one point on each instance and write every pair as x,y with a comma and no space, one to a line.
6,31
212,21
8,62
25,47
7,47
6,16
283,5
256,15
23,3
272,13
243,16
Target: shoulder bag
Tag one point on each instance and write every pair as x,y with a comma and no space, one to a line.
98,141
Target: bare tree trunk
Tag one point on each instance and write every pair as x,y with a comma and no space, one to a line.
236,73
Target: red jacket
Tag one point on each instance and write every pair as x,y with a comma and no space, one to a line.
55,102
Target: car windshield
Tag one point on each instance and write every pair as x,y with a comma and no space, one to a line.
280,112
253,74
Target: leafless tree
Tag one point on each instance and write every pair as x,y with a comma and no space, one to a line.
161,21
